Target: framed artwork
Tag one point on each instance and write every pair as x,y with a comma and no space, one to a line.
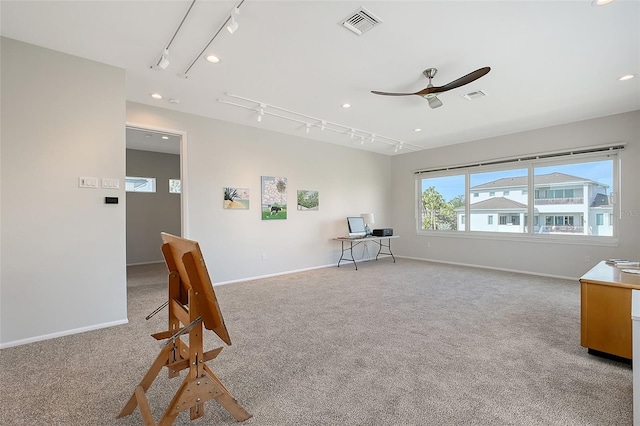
236,198
308,200
274,198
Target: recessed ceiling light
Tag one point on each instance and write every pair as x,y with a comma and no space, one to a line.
346,105
165,137
213,59
156,96
417,130
626,77
600,2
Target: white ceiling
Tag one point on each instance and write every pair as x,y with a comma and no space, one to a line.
552,62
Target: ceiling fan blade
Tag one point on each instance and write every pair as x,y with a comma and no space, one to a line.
392,94
472,76
434,102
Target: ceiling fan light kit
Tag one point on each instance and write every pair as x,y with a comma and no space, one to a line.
430,92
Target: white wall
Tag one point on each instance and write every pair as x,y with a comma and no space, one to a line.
565,260
219,154
62,249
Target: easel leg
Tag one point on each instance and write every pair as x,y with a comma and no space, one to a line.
193,393
145,410
227,400
148,379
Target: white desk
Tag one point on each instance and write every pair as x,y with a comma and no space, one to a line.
353,242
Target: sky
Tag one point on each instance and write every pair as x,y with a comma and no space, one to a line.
452,186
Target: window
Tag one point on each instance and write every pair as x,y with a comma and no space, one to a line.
441,201
510,204
572,196
175,186
574,189
140,184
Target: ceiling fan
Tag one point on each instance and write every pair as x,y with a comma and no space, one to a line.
430,92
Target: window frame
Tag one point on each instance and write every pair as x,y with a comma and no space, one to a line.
530,165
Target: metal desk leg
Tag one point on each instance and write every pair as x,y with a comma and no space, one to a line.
342,257
381,244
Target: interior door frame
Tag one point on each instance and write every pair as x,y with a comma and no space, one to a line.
184,222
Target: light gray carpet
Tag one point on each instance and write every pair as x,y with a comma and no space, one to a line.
147,274
412,343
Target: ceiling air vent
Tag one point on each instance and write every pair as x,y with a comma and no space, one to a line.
474,95
360,21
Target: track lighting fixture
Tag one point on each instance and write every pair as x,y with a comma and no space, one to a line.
230,23
163,63
261,112
307,121
233,25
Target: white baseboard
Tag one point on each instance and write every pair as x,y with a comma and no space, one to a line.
274,275
62,333
146,263
471,265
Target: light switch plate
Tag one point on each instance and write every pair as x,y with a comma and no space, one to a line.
110,183
87,182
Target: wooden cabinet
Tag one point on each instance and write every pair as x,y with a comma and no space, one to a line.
605,310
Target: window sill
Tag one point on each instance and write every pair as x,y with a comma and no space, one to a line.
525,238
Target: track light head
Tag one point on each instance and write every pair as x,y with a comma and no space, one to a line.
233,25
163,63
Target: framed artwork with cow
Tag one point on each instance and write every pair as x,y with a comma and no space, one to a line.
274,197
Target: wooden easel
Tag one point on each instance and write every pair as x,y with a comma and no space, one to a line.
192,302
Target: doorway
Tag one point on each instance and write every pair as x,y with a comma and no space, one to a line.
154,200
